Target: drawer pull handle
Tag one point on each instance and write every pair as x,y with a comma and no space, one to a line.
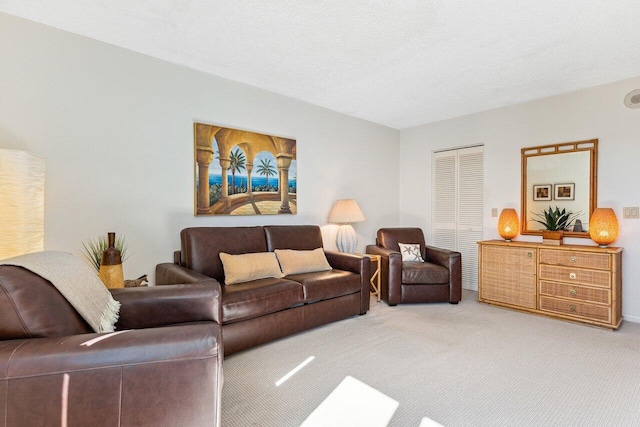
572,292
572,259
572,308
572,275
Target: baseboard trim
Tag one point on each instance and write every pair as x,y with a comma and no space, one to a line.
632,319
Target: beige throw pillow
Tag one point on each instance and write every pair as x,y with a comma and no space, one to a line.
247,267
296,262
410,252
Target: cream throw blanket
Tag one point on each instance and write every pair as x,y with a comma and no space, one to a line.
77,282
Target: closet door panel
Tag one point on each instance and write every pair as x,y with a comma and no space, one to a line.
458,195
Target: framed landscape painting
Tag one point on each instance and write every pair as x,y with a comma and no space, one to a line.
239,172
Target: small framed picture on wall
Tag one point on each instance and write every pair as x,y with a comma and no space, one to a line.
542,192
564,191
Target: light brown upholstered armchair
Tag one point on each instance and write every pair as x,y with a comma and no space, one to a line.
166,370
438,279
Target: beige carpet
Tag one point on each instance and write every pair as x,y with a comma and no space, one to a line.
465,365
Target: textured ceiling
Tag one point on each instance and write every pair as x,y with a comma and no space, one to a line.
400,63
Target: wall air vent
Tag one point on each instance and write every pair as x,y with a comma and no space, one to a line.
632,100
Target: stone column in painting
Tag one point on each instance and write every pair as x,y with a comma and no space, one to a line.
224,164
204,157
284,161
249,167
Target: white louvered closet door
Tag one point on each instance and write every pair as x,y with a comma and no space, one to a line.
458,205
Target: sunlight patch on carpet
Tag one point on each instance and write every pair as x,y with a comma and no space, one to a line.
294,370
353,403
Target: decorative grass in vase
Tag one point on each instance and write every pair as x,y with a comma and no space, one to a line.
93,249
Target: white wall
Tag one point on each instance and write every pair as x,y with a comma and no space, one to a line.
116,129
591,113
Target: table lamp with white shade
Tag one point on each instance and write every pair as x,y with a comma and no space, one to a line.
345,212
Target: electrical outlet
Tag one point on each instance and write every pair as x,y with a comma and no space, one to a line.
631,213
494,212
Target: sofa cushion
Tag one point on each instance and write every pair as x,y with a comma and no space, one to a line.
424,273
296,262
247,267
201,247
298,237
259,297
324,285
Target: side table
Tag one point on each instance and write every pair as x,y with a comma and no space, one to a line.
375,275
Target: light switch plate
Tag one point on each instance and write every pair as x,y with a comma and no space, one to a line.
631,213
494,212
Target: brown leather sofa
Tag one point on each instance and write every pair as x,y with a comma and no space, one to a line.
263,310
438,279
165,371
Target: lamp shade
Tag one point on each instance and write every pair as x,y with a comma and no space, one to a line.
603,226
508,224
346,211
21,203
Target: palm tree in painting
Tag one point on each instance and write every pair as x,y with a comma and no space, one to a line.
238,163
266,168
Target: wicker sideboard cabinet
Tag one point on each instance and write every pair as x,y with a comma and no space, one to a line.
572,282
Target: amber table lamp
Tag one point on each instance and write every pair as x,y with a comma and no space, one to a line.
603,226
508,224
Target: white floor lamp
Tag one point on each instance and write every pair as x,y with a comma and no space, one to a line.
345,212
21,203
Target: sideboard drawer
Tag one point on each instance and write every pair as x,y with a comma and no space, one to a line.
575,275
575,259
599,313
575,292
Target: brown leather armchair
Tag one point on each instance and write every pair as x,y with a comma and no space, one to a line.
438,279
165,369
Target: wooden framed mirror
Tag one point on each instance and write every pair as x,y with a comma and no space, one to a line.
559,175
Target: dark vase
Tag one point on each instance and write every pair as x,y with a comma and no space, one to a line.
111,272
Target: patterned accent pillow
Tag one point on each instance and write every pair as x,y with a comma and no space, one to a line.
410,252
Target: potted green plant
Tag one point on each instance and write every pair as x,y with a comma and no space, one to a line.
555,222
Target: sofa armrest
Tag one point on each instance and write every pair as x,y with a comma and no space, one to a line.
358,264
452,261
43,356
346,262
149,307
378,250
390,274
173,274
106,379
439,256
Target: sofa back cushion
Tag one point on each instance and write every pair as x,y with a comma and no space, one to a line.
389,238
201,247
31,307
297,237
